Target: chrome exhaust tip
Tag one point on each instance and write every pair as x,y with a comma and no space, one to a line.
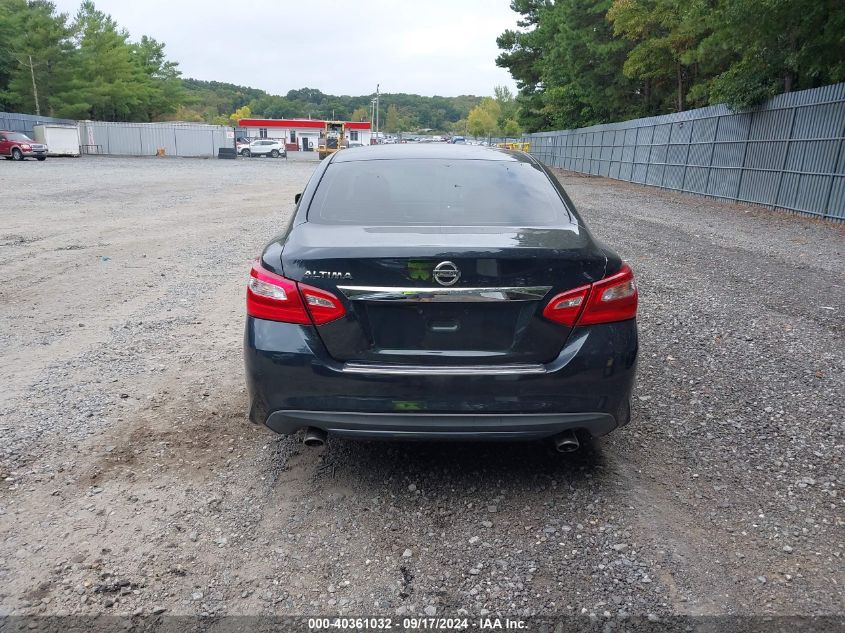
567,442
314,437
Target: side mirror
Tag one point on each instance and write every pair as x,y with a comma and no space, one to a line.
296,197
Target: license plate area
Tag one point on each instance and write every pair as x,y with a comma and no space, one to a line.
446,327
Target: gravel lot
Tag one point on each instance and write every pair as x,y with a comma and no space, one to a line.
131,481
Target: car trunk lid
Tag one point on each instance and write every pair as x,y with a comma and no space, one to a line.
423,295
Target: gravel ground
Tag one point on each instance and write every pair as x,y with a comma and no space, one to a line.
131,481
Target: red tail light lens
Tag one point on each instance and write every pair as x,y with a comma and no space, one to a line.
275,298
322,305
614,298
611,299
565,307
271,296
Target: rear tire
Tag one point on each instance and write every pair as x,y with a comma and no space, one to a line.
41,158
17,154
274,153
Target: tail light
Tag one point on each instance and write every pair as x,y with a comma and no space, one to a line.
275,298
613,298
323,306
565,307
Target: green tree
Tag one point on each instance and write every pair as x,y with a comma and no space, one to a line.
241,113
568,65
759,48
483,119
581,62
396,119
459,127
167,92
108,83
665,33
511,128
507,123
34,49
361,113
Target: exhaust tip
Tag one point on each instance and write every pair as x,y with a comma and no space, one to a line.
314,437
567,442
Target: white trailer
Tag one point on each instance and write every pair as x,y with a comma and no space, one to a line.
61,140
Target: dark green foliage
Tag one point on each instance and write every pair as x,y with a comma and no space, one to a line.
84,68
32,33
581,62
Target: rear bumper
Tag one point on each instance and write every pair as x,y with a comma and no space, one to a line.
453,426
293,383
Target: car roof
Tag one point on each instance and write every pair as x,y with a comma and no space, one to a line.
448,151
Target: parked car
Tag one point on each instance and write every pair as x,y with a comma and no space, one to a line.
425,292
17,146
458,140
265,147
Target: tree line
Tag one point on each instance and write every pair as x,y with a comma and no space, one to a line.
224,103
86,66
582,62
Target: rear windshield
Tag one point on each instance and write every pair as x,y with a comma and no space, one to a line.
437,192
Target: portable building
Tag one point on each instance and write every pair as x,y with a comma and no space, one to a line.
61,140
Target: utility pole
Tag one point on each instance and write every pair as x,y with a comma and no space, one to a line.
372,120
34,87
377,109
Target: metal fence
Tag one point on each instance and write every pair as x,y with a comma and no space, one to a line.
25,122
787,154
145,139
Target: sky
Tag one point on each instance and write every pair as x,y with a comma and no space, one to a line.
428,47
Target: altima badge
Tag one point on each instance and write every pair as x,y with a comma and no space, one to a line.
446,273
326,274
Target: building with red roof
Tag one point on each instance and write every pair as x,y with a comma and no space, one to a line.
299,134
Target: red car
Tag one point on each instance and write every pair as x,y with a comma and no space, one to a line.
17,146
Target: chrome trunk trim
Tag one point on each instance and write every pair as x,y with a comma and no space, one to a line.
443,295
441,370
